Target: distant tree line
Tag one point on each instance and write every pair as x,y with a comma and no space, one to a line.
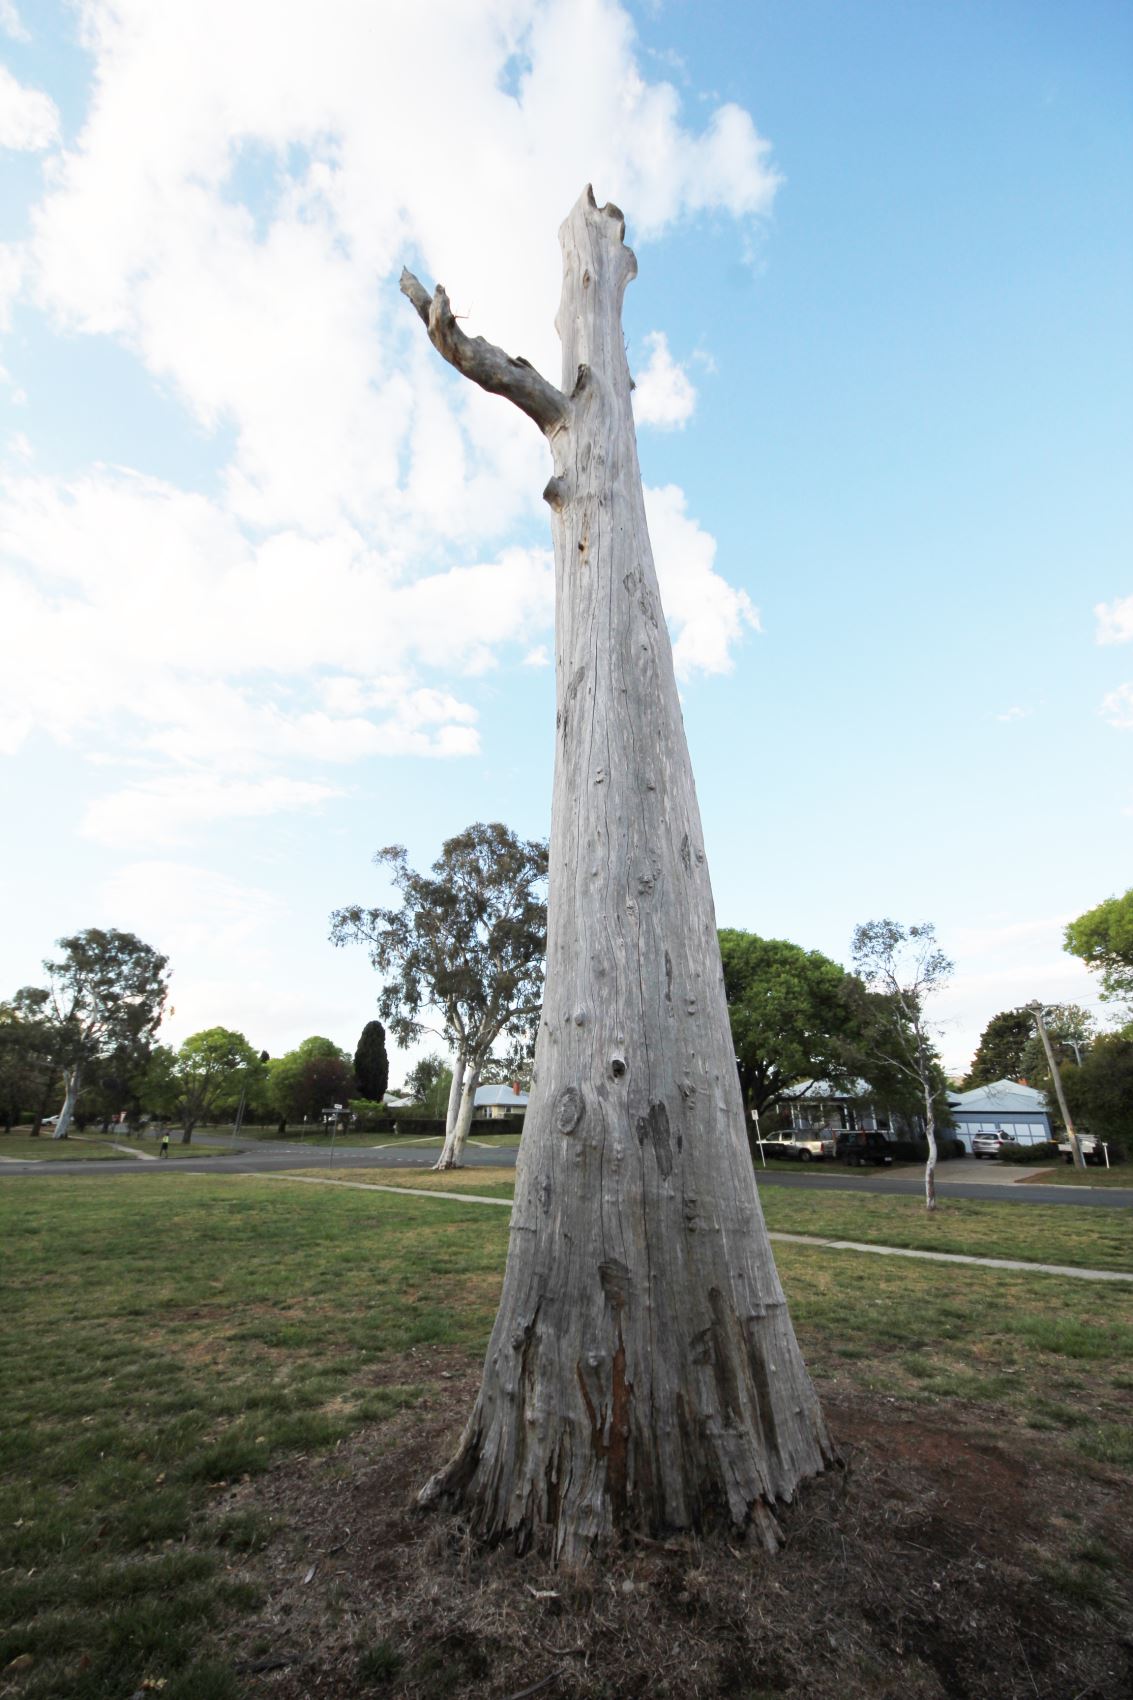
84,1044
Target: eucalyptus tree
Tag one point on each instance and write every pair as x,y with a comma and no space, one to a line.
642,1374
467,945
106,994
905,966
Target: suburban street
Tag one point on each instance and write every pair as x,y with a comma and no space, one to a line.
961,1178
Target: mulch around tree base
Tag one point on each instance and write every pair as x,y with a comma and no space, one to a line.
939,1563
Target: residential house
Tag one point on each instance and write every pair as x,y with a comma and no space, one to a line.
1006,1106
499,1103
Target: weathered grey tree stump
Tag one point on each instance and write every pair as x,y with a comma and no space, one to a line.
643,1373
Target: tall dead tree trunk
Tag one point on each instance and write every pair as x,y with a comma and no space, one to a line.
643,1372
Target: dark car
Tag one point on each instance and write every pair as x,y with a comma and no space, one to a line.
861,1150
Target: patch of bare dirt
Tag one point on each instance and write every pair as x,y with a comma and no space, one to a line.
938,1563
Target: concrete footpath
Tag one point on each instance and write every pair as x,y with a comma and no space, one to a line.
792,1239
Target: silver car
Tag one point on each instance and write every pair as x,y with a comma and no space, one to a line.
991,1144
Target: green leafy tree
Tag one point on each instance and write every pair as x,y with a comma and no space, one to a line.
462,955
107,994
1103,938
906,967
791,1018
28,1069
309,1079
1099,1093
1071,1030
371,1063
428,1083
212,1069
160,1088
1003,1043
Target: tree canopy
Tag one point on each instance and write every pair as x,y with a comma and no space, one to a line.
428,1082
1100,1091
371,1063
27,1053
107,994
903,967
211,1069
1003,1043
1071,1031
790,1014
310,1079
1103,938
467,941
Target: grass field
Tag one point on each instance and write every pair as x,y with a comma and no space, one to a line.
321,1140
1064,1174
90,1148
1040,1233
167,1338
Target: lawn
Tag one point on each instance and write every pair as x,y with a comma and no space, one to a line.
1085,1238
1121,1175
387,1140
90,1148
172,1342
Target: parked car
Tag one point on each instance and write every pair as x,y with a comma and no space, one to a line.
861,1149
991,1144
803,1144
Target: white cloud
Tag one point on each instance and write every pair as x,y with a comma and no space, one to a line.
537,657
223,938
376,513
292,330
708,613
10,21
167,810
29,120
1014,713
1115,620
1117,707
184,908
665,395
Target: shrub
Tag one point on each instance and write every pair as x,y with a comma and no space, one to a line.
910,1151
412,1119
1045,1152
370,1116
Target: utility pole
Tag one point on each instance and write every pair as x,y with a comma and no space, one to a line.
1056,1078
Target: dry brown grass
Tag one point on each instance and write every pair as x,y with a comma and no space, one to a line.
936,1564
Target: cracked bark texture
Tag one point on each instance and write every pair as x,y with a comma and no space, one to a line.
642,1374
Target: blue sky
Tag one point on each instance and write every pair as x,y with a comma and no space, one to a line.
276,589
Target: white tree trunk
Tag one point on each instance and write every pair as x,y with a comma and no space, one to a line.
930,1135
643,1372
71,1083
455,1138
454,1096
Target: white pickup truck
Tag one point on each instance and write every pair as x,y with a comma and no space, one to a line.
1089,1145
804,1145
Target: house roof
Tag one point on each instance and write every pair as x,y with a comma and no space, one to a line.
506,1095
999,1095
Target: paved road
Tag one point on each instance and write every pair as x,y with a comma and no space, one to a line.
967,1177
